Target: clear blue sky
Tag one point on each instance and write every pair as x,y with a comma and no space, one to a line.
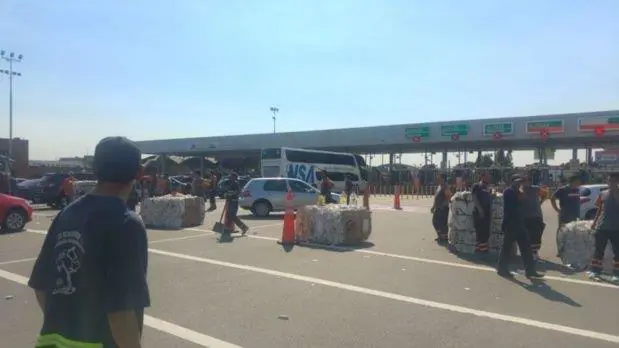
164,69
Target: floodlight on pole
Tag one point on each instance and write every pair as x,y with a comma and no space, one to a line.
275,111
10,58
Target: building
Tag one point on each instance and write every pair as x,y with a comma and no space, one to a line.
19,153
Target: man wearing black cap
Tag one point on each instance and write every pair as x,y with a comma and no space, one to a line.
90,276
514,231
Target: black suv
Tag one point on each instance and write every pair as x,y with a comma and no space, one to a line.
48,189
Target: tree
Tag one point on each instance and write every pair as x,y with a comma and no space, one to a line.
503,160
485,161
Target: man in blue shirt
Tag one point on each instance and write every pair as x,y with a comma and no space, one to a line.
515,231
90,276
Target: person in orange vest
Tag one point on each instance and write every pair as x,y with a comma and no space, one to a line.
68,188
163,185
211,189
326,186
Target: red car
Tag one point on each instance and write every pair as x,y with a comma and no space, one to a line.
15,213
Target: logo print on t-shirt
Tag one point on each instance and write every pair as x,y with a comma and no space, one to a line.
68,251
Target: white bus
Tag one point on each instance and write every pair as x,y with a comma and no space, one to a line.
307,165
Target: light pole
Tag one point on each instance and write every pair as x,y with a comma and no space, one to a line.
274,110
11,58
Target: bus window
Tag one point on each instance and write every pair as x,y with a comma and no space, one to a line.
270,171
319,157
271,153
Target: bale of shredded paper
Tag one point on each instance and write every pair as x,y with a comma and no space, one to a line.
461,230
576,243
172,211
83,187
333,224
462,236
496,221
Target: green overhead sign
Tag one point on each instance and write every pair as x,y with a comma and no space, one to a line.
421,132
503,128
455,129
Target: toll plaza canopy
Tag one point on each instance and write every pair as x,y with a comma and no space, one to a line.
582,130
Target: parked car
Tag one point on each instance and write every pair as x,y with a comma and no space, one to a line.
15,213
262,196
47,189
588,197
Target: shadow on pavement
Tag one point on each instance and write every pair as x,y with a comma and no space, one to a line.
268,218
337,248
491,260
228,237
541,288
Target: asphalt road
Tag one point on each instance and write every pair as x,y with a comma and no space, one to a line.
401,290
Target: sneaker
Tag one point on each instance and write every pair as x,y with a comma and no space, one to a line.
534,275
505,274
244,230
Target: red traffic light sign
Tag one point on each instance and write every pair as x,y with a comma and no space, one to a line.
599,131
416,139
455,137
544,133
497,136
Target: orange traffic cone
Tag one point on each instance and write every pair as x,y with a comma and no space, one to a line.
396,198
288,228
366,198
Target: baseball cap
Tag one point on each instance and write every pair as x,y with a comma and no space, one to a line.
117,160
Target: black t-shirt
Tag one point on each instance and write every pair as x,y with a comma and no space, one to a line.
569,203
483,195
93,262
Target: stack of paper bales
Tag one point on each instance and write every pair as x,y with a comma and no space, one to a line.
172,211
462,236
576,242
333,224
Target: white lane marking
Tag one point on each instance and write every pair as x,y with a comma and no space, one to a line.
426,303
438,262
152,322
564,279
17,261
206,232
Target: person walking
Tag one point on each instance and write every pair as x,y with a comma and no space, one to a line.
211,184
232,193
482,213
90,275
531,206
514,231
326,185
68,188
348,188
606,227
440,210
198,185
